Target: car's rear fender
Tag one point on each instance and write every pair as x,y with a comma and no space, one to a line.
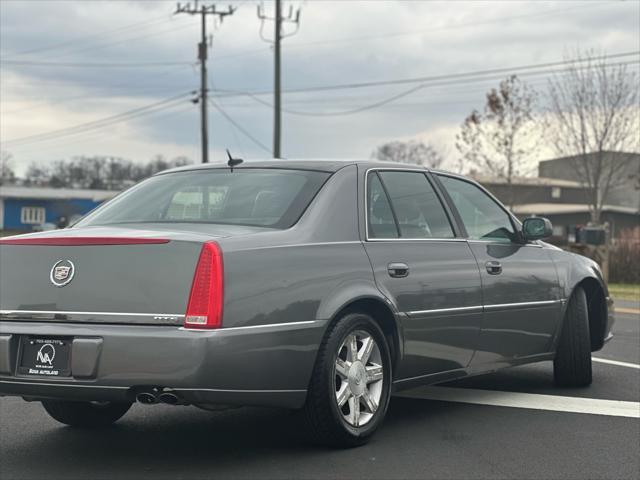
366,298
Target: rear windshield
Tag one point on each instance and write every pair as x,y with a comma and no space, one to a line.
273,198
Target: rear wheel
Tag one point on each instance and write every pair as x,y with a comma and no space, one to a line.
572,364
85,414
351,383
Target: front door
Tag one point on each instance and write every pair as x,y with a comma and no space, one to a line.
521,298
424,269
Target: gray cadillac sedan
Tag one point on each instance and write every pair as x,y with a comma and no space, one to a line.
322,286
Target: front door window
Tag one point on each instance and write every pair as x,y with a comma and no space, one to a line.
483,218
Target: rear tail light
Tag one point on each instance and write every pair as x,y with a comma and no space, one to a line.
207,291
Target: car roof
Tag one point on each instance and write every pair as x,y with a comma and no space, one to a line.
323,165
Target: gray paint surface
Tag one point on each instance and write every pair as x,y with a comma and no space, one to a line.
282,289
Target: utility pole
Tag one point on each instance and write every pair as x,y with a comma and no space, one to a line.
278,19
203,11
277,112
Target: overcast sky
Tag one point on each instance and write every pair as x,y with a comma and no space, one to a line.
338,42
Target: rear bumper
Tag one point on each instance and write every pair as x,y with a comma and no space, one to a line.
261,365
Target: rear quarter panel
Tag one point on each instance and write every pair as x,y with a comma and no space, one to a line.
304,273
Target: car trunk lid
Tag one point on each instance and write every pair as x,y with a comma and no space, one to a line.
99,275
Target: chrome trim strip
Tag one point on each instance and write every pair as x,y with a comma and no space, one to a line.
446,310
497,242
251,327
501,306
111,314
439,240
408,379
222,390
40,384
62,385
366,209
480,308
310,244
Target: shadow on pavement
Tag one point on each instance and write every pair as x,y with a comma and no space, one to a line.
172,440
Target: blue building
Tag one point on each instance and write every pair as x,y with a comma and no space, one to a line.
28,208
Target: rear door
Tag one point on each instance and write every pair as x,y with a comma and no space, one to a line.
520,286
424,269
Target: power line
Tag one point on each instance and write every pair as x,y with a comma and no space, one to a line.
415,89
203,11
433,78
239,127
278,20
96,124
444,80
100,92
230,126
76,40
30,63
498,20
127,41
98,133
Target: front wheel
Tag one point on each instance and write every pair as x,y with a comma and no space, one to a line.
351,384
572,364
85,414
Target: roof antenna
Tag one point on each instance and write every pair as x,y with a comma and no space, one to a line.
233,161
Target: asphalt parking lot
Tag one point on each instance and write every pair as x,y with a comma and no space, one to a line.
534,434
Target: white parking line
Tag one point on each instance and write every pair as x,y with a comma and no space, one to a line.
533,401
615,362
628,311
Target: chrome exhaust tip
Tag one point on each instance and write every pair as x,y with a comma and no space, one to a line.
168,397
146,398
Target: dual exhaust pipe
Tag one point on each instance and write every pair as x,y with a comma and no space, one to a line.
158,396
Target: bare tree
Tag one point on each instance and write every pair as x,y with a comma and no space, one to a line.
499,140
414,152
97,172
7,175
593,110
37,175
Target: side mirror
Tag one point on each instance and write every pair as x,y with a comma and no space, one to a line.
536,228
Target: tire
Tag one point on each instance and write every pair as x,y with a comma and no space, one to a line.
85,414
572,363
356,380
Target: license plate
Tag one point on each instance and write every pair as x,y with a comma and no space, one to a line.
45,357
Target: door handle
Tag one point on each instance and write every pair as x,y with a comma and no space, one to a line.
398,270
493,267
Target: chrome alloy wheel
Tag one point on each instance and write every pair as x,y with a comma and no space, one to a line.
358,378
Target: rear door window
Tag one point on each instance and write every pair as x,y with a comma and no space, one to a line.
414,205
381,223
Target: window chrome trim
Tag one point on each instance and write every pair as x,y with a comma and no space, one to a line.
310,244
423,170
486,192
498,242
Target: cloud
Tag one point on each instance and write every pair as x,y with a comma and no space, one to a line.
338,42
